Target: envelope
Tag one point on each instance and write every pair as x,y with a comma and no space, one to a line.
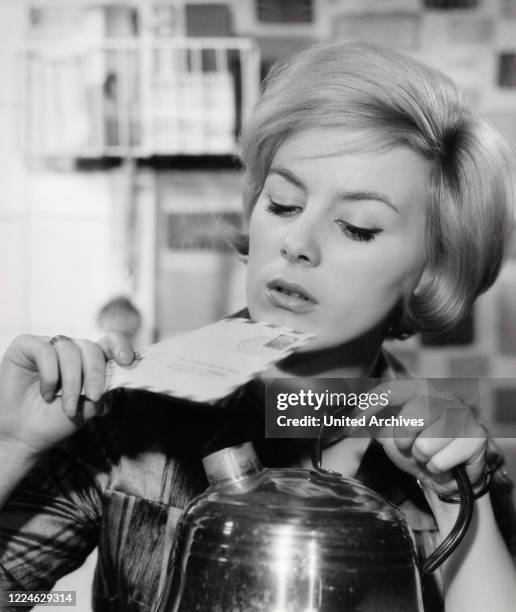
207,364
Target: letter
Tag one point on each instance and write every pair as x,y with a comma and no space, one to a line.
338,402
319,397
373,399
281,401
363,401
293,399
384,399
281,420
327,420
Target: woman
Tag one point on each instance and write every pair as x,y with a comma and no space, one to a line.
377,206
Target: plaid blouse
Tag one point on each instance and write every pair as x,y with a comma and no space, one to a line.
123,480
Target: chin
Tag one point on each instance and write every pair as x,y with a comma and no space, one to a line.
282,317
321,343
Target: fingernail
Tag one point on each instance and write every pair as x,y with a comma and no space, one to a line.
432,468
125,356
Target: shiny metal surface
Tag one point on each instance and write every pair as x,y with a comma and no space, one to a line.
291,540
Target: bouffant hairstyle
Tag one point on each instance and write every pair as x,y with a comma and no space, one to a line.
395,100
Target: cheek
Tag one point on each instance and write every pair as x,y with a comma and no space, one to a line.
259,247
262,236
400,258
377,277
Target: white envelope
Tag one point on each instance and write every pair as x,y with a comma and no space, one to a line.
207,364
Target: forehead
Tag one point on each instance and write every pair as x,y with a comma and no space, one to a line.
334,160
327,142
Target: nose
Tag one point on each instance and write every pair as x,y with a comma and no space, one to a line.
301,244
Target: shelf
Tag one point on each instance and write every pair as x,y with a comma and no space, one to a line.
137,97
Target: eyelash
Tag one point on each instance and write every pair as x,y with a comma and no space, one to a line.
360,234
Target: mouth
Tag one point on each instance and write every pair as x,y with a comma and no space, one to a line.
290,296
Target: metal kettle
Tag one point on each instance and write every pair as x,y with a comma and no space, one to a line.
294,540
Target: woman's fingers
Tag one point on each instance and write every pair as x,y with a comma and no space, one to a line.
443,433
424,448
118,347
34,354
470,451
80,366
48,369
93,368
416,414
70,367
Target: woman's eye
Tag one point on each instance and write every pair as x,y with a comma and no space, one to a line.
283,210
361,234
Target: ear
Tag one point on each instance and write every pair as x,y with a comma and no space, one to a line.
424,280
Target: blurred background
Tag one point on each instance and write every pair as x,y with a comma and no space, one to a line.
120,122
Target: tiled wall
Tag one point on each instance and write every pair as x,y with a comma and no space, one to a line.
474,42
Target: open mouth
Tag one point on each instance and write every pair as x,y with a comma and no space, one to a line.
295,294
290,296
291,289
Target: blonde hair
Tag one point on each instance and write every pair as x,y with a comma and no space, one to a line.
395,100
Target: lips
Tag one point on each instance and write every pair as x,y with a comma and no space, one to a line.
293,289
290,296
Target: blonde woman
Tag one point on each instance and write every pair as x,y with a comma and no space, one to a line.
376,206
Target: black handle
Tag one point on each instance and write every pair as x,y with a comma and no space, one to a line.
458,531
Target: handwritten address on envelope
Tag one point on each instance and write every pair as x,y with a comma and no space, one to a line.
207,364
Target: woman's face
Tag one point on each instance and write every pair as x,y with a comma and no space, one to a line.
336,236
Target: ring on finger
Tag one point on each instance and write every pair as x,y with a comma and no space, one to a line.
59,338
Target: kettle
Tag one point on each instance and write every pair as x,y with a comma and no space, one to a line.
294,540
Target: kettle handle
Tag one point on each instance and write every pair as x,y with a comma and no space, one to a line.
459,529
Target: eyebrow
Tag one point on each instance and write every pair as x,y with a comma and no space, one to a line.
343,196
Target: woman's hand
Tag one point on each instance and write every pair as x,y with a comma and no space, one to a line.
32,371
449,435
